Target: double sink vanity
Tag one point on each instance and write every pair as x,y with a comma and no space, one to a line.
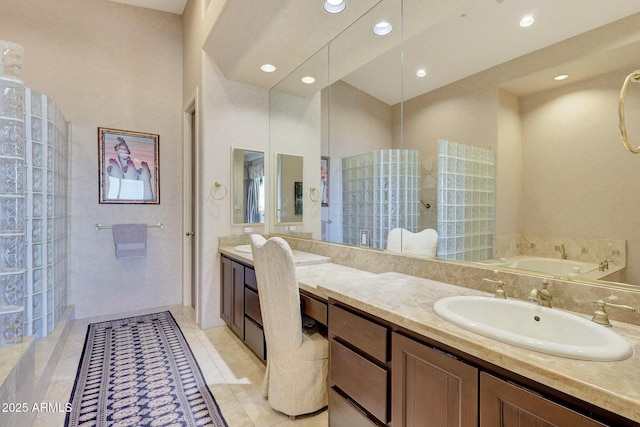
396,359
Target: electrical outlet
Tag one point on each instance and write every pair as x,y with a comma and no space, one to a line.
364,238
292,228
247,229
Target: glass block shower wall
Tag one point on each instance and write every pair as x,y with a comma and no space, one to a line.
380,191
12,196
47,177
466,201
33,205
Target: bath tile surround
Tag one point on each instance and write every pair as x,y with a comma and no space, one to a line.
567,294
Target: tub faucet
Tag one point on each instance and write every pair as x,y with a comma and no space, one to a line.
541,296
564,253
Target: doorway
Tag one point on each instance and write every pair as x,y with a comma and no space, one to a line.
191,144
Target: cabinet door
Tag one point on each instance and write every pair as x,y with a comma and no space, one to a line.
226,289
431,388
237,311
503,404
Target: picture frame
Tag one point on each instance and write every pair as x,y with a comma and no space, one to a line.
298,198
128,167
324,181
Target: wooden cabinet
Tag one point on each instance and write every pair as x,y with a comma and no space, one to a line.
431,388
504,404
382,374
240,305
226,290
359,372
232,277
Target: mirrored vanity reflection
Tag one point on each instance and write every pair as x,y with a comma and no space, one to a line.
511,163
289,189
249,184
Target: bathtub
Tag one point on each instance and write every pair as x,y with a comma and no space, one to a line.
555,266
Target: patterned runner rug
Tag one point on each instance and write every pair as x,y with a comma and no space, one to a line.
140,371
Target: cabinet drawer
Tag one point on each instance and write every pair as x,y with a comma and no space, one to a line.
254,338
252,305
368,336
250,278
364,381
344,413
314,308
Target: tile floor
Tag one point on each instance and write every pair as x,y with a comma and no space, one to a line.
232,372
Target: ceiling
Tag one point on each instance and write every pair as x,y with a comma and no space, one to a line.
452,39
173,6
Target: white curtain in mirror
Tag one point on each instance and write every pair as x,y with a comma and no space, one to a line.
254,212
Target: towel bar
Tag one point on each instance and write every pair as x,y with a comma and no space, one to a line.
101,227
633,77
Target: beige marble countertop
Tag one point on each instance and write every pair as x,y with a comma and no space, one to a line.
408,302
299,258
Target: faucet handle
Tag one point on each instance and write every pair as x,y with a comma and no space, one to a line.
500,293
601,317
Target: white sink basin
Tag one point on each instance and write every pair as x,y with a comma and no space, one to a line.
530,326
243,248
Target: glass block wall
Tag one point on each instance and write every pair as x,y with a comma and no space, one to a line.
466,201
33,205
380,191
47,176
12,196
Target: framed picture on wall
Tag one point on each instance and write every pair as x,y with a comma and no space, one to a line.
324,180
128,167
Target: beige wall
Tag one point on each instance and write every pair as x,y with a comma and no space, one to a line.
358,123
230,115
561,169
578,179
111,65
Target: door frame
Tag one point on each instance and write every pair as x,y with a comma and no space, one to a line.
191,203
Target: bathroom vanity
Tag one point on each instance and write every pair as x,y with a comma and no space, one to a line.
393,360
240,301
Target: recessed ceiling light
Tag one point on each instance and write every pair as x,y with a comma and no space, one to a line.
421,72
561,77
308,80
268,68
382,28
527,21
334,6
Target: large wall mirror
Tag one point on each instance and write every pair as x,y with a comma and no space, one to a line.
454,122
248,186
289,189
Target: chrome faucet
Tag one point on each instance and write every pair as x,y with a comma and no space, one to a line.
564,253
541,296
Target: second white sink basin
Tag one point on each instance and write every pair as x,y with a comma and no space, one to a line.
530,326
243,248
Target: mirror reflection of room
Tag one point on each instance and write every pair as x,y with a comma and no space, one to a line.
511,109
249,187
290,189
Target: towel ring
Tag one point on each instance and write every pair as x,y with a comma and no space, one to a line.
633,77
214,189
314,194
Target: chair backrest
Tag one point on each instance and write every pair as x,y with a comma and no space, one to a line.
423,243
279,294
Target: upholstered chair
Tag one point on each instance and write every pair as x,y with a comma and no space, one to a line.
424,242
295,380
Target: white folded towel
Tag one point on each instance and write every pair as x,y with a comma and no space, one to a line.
130,240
